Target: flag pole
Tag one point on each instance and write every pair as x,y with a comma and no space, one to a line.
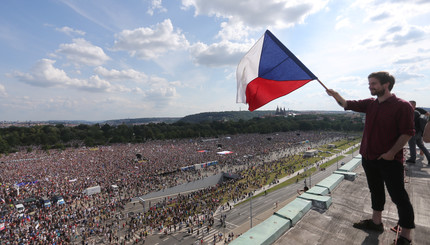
322,84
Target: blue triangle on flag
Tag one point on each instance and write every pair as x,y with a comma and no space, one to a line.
280,64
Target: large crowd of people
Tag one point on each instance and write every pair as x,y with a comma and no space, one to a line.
137,169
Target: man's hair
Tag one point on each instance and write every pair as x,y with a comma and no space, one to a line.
384,77
413,102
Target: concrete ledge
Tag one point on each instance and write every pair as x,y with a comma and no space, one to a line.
351,165
295,210
322,202
358,156
347,175
267,232
318,190
331,181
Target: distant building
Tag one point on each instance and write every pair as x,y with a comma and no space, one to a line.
310,153
280,111
284,112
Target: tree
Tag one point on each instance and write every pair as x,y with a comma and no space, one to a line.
66,134
4,146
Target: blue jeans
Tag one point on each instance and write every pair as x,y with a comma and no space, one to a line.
417,140
390,173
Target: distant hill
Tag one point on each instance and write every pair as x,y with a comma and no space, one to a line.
135,121
225,116
194,118
216,116
209,117
244,115
73,122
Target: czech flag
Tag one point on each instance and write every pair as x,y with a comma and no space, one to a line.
268,71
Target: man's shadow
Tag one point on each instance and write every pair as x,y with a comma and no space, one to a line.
372,238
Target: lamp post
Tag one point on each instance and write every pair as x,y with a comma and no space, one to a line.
17,189
250,207
224,225
142,201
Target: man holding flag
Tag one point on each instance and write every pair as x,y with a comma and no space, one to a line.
270,70
388,127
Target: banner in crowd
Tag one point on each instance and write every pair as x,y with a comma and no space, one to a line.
224,152
199,166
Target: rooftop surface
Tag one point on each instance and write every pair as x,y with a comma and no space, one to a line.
351,203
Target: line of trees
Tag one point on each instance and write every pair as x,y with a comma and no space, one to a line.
59,136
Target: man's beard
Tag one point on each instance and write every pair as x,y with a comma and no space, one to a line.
377,92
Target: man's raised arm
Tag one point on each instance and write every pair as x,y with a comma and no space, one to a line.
341,101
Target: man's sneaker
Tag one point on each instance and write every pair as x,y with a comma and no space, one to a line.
368,224
410,161
401,241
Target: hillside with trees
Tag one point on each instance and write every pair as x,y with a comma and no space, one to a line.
59,136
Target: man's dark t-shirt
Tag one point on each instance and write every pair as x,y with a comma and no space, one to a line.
384,124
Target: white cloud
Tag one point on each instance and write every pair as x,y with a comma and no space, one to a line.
157,90
96,84
70,31
407,74
233,30
380,16
345,22
392,23
154,86
224,53
82,52
395,36
411,34
160,97
258,14
244,17
2,90
148,43
44,74
162,92
176,83
413,59
121,75
280,13
156,5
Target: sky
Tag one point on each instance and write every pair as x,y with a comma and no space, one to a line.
108,59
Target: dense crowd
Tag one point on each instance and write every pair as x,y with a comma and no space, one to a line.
137,169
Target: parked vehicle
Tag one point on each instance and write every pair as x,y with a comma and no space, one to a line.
20,208
30,204
58,200
44,202
92,190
